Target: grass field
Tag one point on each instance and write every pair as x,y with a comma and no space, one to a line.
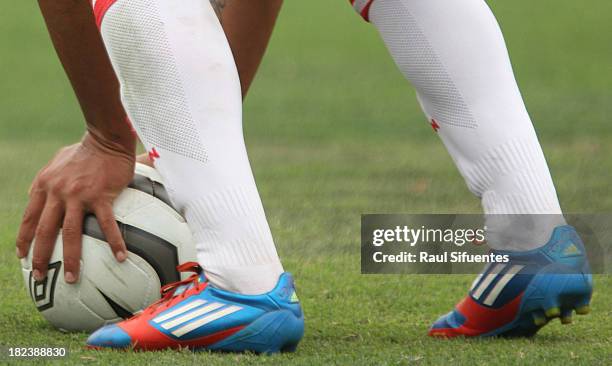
333,132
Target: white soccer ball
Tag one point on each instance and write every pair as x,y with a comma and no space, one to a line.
157,239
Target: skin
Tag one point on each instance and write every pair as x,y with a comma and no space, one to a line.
89,175
248,26
71,183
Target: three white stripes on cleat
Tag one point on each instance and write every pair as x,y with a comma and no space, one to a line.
193,315
486,281
482,283
180,310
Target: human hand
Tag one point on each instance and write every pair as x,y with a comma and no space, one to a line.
84,177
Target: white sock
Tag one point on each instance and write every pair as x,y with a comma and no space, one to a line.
181,90
454,54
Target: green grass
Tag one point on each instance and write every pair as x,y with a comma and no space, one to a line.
333,132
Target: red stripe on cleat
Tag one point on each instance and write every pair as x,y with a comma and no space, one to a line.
479,319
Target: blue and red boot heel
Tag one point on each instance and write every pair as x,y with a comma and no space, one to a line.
193,314
516,299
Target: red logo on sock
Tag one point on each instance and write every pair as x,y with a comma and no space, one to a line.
435,125
153,154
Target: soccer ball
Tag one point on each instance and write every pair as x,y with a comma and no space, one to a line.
157,239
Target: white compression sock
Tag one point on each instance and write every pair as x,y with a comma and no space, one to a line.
181,90
454,54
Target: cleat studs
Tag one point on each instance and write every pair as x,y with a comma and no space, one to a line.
583,310
566,316
553,312
539,319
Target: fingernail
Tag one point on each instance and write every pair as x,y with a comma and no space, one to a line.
121,256
37,275
69,277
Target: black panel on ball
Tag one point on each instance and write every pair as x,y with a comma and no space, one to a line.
159,253
151,187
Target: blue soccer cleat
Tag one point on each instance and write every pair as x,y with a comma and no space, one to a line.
519,297
193,314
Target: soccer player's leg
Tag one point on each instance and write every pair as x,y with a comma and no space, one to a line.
454,54
181,90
